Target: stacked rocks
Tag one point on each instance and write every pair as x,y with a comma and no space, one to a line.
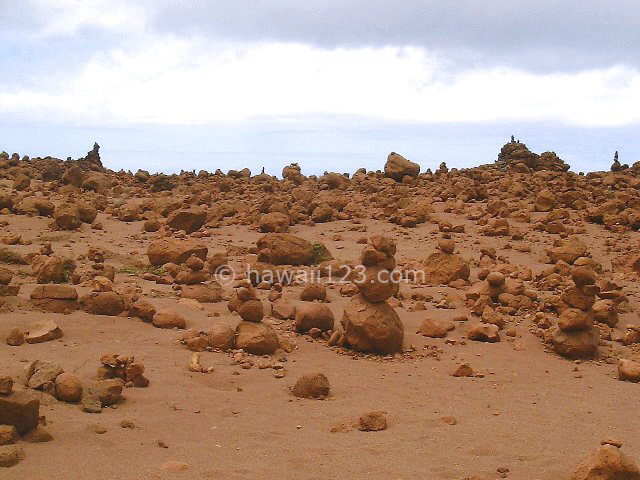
7,290
97,268
252,335
575,335
369,322
124,368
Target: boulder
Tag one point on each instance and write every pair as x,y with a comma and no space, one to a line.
372,327
285,249
20,409
168,320
68,388
313,315
397,167
629,370
275,222
220,336
188,220
167,250
443,268
484,332
576,344
43,331
256,338
436,328
314,385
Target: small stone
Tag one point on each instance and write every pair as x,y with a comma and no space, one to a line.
6,385
10,455
372,422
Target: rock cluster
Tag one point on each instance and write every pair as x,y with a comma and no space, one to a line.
575,335
123,367
370,324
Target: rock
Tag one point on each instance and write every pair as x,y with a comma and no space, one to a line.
42,375
373,327
43,331
188,220
313,315
6,385
251,310
52,270
67,216
377,284
68,388
606,463
568,251
604,311
142,309
275,222
484,332
397,167
495,279
37,435
15,338
436,328
372,422
10,455
443,268
315,385
20,409
103,303
313,291
211,293
256,338
577,344
220,336
573,319
109,391
283,310
168,320
54,292
285,249
447,245
628,370
8,435
463,370
165,250
545,201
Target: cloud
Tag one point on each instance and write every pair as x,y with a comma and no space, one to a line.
531,34
169,80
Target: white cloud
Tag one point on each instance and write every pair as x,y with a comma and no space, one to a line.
180,81
67,17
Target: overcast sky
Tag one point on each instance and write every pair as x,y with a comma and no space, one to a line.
332,84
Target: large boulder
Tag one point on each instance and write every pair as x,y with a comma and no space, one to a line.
285,249
188,220
166,250
372,327
256,338
313,315
67,216
20,409
576,344
441,268
397,167
276,222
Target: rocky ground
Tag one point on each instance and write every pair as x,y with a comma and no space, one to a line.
233,326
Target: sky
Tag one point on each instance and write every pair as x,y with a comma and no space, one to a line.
333,85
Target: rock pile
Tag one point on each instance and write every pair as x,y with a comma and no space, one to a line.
124,368
252,334
575,335
370,324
